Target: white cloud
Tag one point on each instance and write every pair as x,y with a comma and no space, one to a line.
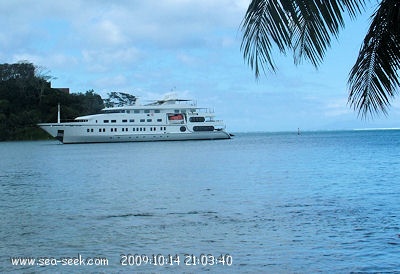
110,32
337,107
98,24
188,59
107,59
56,60
115,81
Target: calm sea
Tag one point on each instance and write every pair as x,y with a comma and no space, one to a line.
267,202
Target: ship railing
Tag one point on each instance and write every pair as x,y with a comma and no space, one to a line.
70,121
215,121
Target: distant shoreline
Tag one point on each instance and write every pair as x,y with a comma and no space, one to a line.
374,129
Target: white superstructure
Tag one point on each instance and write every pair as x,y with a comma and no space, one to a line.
171,119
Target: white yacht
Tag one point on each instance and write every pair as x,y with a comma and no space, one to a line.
170,119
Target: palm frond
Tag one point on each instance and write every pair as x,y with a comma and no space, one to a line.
374,79
265,22
353,7
311,31
302,26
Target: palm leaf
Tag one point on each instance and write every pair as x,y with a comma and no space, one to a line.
265,22
302,26
374,79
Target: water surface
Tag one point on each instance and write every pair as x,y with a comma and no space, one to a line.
276,202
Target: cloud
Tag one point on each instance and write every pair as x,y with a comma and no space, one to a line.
101,34
116,81
101,60
56,60
337,107
156,24
108,33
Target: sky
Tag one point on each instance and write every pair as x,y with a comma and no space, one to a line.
191,48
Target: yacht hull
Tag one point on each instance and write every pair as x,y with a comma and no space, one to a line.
72,134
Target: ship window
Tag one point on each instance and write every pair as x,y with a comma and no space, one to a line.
99,129
87,130
176,110
104,130
126,129
128,111
197,119
124,121
149,120
147,111
144,129
112,129
142,120
96,121
105,121
136,111
132,120
113,121
123,129
203,128
115,129
91,130
151,129
157,111
159,120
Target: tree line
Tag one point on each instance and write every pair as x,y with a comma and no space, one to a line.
27,98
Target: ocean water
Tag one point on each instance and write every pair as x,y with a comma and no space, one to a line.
321,202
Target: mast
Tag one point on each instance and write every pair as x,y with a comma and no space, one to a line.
58,114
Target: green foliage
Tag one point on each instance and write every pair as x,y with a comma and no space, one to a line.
27,99
22,71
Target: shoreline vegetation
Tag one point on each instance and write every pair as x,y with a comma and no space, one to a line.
27,98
